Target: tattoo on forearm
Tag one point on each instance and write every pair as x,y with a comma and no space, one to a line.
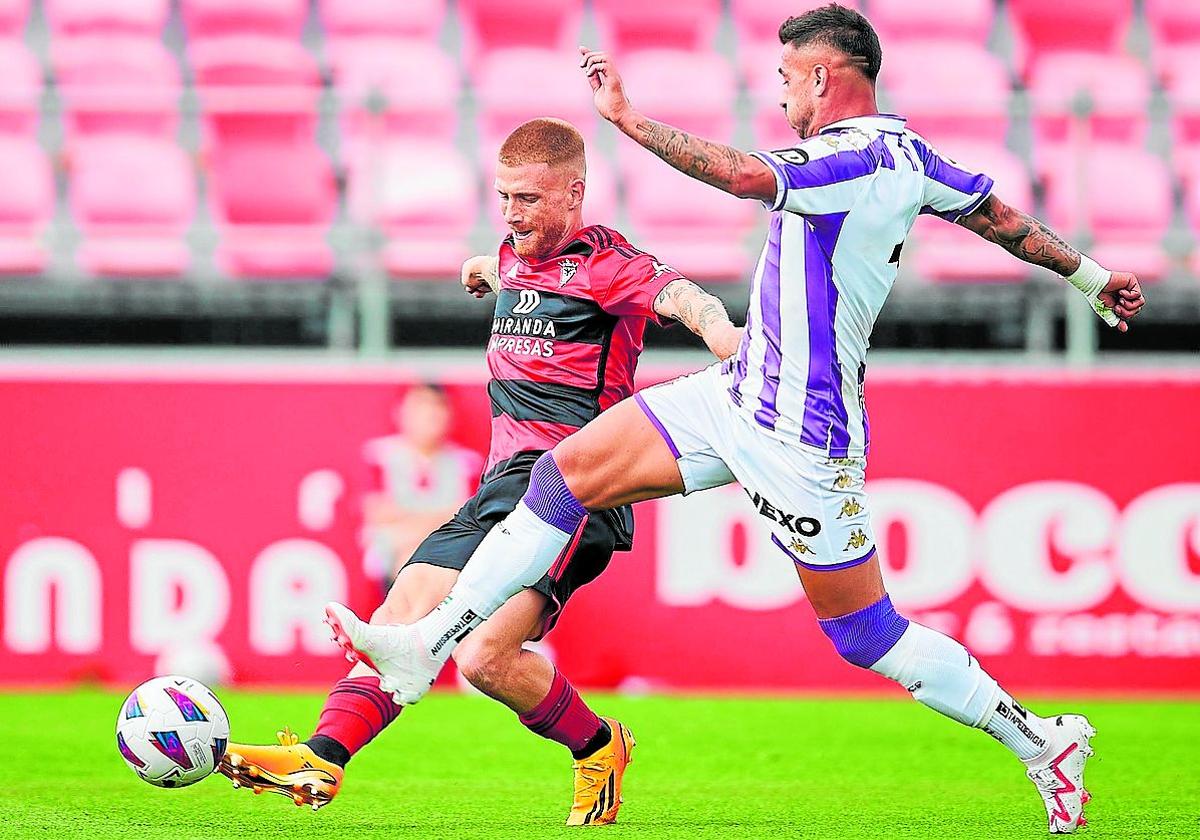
693,307
1028,239
713,163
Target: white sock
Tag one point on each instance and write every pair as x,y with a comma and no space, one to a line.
941,674
515,554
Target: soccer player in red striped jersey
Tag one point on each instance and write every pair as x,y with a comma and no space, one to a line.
572,302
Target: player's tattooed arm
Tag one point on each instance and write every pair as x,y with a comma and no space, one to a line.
1022,235
702,313
724,167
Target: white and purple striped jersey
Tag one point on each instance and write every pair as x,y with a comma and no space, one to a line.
846,200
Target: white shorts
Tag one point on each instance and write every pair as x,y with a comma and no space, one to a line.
813,505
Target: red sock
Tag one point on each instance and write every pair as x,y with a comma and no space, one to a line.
355,712
563,716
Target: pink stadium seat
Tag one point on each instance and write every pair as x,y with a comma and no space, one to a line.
13,14
1175,27
1185,98
417,19
118,83
948,89
897,20
519,84
216,18
1124,198
133,197
110,17
424,197
26,205
22,88
1096,26
1118,86
365,68
628,25
541,24
694,91
948,252
696,228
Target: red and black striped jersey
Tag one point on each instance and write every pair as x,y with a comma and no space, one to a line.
566,338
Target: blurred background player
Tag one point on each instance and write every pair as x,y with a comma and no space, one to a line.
423,478
572,305
786,418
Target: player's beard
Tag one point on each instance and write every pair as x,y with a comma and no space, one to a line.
542,242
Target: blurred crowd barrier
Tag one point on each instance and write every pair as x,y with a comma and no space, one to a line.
197,518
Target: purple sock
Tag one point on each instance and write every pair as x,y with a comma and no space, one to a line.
863,637
550,499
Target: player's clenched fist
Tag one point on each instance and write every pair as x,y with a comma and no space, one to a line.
607,91
479,275
1123,295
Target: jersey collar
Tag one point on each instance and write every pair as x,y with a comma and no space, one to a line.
878,122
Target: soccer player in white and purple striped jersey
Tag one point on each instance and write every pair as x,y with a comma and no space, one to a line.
785,417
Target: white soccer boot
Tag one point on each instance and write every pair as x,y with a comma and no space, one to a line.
394,651
1059,775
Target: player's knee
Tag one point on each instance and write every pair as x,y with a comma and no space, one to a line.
864,636
558,479
485,663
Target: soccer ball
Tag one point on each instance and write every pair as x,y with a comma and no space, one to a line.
172,731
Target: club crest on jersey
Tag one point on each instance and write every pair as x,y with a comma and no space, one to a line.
567,269
529,301
857,539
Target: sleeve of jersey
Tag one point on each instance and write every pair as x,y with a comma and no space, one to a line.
951,191
628,285
816,178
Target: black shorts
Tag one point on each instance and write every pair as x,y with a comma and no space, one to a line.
452,545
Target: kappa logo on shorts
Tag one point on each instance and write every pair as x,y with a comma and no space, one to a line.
805,526
568,269
799,546
850,508
530,300
857,539
843,480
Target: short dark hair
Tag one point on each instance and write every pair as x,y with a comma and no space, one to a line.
843,29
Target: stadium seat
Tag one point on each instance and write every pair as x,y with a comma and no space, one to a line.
628,25
424,198
365,68
519,84
416,19
1123,195
133,198
542,24
22,88
217,18
951,253
1185,99
26,205
13,14
1095,26
107,17
692,90
696,228
120,83
899,20
1117,85
1175,28
963,93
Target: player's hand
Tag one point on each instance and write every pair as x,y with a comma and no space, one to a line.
724,340
1123,295
607,91
474,275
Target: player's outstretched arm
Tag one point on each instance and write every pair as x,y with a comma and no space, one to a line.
1116,296
724,167
481,275
702,313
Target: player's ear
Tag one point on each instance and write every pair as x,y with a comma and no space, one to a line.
820,79
577,189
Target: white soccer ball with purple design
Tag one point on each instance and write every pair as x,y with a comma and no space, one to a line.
172,731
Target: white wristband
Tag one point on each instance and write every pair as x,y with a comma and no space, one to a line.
1090,279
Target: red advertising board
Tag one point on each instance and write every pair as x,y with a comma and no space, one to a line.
1050,520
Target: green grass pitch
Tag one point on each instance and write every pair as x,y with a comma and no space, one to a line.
462,767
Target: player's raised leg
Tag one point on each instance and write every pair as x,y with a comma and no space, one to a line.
618,458
494,661
857,615
355,711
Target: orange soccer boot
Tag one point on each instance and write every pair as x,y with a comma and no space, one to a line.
598,779
288,768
